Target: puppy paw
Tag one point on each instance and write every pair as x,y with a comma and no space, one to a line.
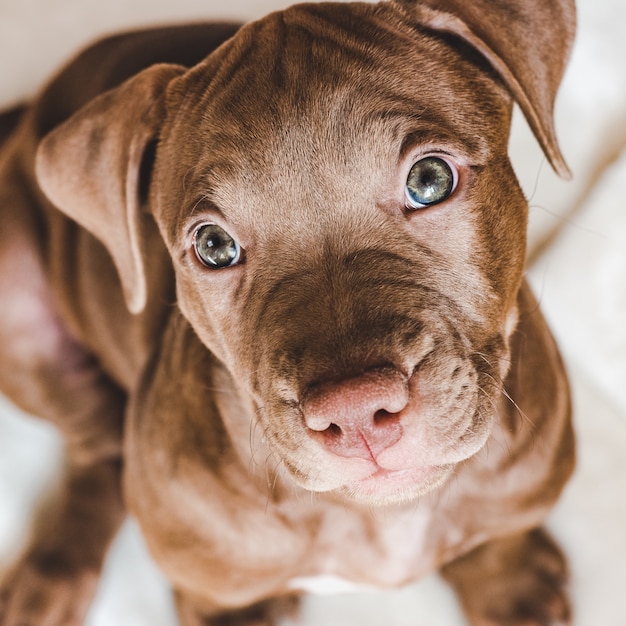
267,613
519,581
43,591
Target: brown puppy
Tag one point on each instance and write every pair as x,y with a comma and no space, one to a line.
282,292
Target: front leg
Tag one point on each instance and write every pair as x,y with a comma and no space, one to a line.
515,581
53,582
55,579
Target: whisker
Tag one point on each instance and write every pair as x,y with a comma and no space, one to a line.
499,384
487,360
254,424
507,395
270,481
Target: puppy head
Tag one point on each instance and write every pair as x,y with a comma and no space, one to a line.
346,230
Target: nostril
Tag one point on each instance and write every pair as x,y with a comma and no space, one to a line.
334,430
383,417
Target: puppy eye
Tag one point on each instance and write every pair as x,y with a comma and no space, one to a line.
431,180
215,248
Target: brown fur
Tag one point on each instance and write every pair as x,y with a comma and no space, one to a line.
371,393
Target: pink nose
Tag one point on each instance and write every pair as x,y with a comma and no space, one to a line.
359,417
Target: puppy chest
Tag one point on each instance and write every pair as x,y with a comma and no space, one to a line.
369,550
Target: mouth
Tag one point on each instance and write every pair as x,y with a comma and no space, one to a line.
384,486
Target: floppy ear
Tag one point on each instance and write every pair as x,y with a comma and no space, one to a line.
526,41
90,168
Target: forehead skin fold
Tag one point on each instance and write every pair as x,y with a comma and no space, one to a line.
317,91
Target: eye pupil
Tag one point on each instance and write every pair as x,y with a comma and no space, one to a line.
215,248
430,181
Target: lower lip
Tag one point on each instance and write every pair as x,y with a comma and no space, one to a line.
405,483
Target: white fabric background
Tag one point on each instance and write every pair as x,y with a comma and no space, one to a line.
578,270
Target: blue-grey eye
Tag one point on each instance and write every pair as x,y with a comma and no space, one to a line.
430,180
215,248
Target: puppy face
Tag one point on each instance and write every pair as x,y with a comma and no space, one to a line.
348,238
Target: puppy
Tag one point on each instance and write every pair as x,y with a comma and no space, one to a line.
268,283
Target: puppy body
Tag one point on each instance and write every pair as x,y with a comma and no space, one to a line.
369,392
232,503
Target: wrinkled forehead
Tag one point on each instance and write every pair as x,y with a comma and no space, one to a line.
321,93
